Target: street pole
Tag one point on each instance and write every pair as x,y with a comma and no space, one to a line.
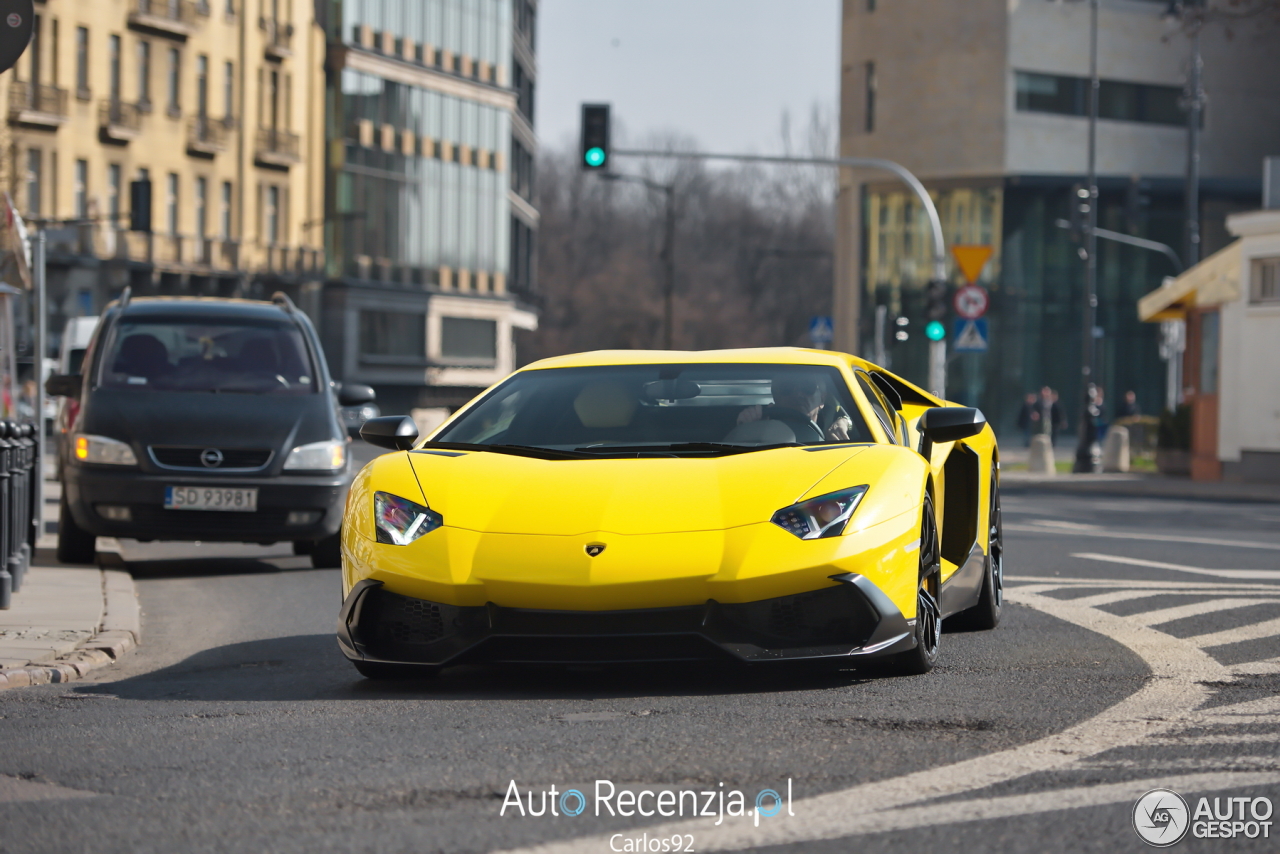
1087,456
669,262
41,331
1195,103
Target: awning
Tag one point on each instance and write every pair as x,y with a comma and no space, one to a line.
1213,281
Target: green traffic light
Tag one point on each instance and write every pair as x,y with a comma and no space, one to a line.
594,156
935,331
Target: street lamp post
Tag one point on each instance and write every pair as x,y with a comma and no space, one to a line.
1194,104
667,254
1087,454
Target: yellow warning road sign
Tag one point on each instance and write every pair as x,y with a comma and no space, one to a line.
971,260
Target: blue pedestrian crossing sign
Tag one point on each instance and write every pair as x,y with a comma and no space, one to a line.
821,330
971,336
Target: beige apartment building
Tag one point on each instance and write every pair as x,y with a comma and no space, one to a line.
214,103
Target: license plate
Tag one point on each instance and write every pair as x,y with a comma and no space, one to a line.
210,498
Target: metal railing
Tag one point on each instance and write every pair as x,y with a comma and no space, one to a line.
121,115
18,470
279,34
171,12
277,144
206,134
37,98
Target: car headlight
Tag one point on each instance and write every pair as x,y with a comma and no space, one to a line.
824,516
103,451
318,456
400,521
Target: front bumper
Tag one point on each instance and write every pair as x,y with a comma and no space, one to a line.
143,493
853,619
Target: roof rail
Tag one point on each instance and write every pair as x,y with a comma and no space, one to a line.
124,295
281,299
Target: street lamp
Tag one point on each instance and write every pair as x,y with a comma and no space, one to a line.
1087,453
667,255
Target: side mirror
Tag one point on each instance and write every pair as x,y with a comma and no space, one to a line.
64,385
355,394
394,432
948,424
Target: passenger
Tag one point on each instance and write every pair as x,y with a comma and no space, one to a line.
799,402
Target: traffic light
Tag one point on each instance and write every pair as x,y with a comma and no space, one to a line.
936,294
140,205
595,136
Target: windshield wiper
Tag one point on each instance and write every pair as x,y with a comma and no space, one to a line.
514,450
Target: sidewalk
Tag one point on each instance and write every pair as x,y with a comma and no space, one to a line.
1139,485
65,621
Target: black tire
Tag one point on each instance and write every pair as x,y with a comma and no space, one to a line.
928,631
327,553
303,547
985,615
395,672
75,544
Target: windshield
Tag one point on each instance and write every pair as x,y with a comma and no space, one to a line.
253,357
674,408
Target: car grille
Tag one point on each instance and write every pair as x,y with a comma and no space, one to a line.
180,457
153,521
399,620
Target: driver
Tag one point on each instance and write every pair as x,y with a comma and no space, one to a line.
797,402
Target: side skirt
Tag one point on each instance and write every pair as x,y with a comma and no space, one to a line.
962,589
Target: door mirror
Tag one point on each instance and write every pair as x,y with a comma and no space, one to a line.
394,432
948,424
64,385
355,394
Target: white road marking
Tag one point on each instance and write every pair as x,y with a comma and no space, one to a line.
1256,668
1256,631
1195,609
16,789
1180,670
1115,596
1133,535
1067,526
1190,588
1254,574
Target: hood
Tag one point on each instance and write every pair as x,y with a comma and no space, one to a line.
145,418
501,493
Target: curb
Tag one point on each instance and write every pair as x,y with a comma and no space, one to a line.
119,632
1127,486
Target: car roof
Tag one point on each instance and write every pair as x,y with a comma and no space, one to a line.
202,307
747,355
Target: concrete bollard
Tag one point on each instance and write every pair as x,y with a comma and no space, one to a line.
1040,461
1115,453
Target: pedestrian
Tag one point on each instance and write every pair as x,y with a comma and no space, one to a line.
1028,418
1129,408
1051,418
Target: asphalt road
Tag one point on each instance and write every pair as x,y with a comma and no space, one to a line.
238,726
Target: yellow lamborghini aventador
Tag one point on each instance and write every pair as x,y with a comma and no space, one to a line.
737,505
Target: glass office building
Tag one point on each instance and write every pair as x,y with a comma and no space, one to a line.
429,224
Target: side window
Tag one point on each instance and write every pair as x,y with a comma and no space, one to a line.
878,406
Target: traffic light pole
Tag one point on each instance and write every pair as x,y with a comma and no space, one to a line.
1087,454
937,349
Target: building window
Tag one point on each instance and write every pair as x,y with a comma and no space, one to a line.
393,336
82,62
80,188
202,86
526,21
171,204
468,338
272,215
228,90
202,192
871,97
34,161
175,67
1119,101
522,255
144,75
224,214
522,170
1265,281
113,70
113,195
523,85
